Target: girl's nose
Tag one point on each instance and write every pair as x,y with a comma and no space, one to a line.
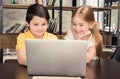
77,26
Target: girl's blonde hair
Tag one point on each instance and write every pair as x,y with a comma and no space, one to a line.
86,13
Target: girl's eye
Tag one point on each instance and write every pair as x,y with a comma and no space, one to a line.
81,25
73,24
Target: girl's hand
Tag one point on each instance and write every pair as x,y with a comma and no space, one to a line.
81,36
85,34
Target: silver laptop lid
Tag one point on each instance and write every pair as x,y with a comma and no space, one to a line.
56,57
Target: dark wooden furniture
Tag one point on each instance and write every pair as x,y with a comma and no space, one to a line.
97,69
7,41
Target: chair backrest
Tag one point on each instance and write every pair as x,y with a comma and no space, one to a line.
116,54
1,55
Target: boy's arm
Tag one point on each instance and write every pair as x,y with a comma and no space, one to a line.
21,56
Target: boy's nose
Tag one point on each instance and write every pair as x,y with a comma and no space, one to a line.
40,27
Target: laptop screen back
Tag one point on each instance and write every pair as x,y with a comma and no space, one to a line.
56,57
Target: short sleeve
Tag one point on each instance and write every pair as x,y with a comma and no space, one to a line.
69,35
91,42
20,42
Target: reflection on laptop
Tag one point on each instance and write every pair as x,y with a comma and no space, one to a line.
56,57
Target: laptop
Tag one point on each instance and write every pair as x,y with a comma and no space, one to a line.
56,57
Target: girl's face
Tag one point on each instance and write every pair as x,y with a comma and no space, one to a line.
79,26
38,26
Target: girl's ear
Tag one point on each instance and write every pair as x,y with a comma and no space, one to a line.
93,24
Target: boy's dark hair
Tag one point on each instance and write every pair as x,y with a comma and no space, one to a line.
37,10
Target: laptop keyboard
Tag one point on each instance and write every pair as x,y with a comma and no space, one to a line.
52,77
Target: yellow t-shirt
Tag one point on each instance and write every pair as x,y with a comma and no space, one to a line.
28,35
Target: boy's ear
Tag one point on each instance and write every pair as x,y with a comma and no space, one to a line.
28,24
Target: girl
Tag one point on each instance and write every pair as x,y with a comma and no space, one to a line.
37,18
84,27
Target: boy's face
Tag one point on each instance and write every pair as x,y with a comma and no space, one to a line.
38,26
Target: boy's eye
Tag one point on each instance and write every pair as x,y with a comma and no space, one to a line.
36,24
43,24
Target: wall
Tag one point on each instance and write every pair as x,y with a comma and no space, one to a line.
11,16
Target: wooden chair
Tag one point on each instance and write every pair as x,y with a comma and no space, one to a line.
116,54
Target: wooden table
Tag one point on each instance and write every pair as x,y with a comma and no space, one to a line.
103,69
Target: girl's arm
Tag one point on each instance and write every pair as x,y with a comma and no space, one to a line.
91,52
